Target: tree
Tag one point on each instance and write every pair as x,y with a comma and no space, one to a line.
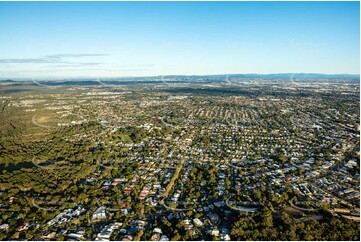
267,218
257,194
176,237
139,207
138,235
286,219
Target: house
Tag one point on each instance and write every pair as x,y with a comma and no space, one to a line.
106,232
100,214
157,230
76,236
163,238
214,232
90,181
4,227
225,237
155,237
197,222
13,199
188,224
127,238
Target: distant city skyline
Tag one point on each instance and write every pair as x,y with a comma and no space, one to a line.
117,39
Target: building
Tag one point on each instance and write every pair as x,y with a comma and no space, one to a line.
100,214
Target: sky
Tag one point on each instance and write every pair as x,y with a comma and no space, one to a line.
116,39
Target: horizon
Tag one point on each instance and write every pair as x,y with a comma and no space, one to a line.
147,39
65,78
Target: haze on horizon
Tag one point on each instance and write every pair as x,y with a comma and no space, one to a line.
112,39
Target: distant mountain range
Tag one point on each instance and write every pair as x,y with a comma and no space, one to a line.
190,79
276,76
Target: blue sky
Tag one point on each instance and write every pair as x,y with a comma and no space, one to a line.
105,39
